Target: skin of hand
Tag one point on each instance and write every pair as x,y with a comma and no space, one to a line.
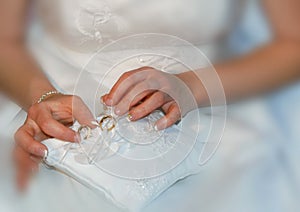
47,119
146,89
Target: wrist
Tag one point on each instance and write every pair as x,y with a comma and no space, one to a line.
37,89
194,83
47,95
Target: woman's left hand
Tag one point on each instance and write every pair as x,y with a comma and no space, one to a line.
48,119
146,89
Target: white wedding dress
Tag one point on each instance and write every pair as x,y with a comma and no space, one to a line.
64,36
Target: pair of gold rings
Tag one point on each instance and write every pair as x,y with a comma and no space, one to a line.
107,122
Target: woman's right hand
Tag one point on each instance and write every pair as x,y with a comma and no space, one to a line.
141,91
48,119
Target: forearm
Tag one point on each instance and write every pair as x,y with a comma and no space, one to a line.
263,70
20,76
266,69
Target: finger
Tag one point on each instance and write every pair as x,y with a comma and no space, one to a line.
82,113
140,97
23,159
25,167
68,122
172,116
23,176
40,136
103,98
33,129
155,101
24,138
135,101
55,129
134,95
125,83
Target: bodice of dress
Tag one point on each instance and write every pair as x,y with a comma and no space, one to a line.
88,25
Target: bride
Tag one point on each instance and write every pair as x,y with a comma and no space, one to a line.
33,71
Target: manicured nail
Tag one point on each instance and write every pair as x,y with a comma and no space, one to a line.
45,155
94,123
77,138
129,117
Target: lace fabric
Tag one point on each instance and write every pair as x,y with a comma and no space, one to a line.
83,162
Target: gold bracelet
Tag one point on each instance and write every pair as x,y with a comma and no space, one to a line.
46,95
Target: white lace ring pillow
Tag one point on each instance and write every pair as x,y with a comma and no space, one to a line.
127,193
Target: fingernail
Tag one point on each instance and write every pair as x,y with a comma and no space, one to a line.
129,117
156,128
77,138
45,155
94,123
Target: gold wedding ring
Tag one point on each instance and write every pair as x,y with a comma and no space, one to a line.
110,121
88,129
107,122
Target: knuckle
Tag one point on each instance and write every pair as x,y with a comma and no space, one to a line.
129,76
